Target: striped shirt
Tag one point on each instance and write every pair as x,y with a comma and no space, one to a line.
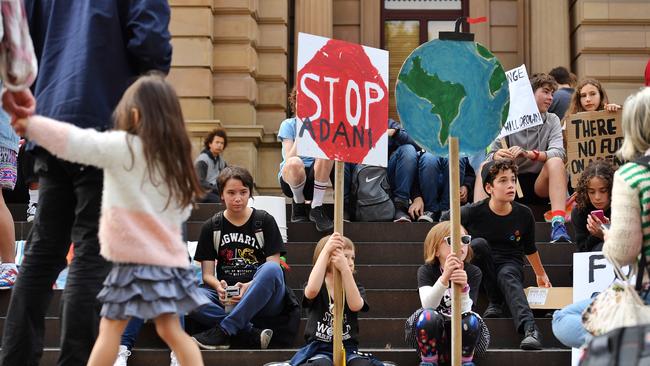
630,221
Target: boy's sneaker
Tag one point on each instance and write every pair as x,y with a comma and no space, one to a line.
213,338
559,233
260,338
401,210
427,216
7,278
493,311
317,216
173,361
532,339
122,356
299,212
31,212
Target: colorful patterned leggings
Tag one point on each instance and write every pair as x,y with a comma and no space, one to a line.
434,332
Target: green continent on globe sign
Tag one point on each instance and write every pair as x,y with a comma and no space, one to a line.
446,104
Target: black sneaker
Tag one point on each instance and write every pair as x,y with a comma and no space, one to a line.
213,338
427,216
493,311
317,216
299,212
532,339
260,338
401,211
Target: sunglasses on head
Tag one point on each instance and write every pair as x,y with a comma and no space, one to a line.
464,239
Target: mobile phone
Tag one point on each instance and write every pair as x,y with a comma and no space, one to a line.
232,291
600,214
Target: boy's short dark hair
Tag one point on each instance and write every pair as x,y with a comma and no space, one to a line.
492,168
216,132
541,79
235,172
561,75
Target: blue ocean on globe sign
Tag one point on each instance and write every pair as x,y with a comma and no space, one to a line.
452,88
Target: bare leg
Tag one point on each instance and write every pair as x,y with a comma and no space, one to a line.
322,169
7,234
293,171
552,182
108,342
169,329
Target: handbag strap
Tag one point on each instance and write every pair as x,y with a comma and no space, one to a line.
643,267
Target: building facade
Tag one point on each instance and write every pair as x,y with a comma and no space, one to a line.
233,63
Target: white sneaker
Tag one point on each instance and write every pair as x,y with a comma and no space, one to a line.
122,356
31,212
173,361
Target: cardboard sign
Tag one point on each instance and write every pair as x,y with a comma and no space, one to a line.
342,101
592,136
523,112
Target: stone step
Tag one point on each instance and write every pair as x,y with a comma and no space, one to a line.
384,333
412,252
385,276
401,357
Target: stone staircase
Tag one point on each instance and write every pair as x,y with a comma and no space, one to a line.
388,255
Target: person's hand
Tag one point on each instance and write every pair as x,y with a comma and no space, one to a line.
333,243
594,226
612,107
517,151
463,194
543,281
417,208
339,261
19,104
20,125
459,277
243,287
221,290
452,263
503,154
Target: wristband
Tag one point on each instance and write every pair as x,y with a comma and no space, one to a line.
535,155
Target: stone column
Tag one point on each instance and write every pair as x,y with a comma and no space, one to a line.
549,24
314,17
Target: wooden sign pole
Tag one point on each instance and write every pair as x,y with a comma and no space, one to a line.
339,293
454,184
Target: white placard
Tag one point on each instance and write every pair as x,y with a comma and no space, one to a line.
537,296
523,112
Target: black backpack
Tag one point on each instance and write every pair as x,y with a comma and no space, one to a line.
370,193
285,325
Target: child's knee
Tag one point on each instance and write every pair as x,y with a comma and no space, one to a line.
429,328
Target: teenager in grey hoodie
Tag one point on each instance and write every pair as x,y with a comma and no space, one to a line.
539,153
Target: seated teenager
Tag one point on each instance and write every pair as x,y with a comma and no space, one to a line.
402,168
503,231
303,178
242,264
210,163
539,153
594,194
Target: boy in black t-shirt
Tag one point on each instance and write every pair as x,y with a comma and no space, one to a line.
503,232
244,263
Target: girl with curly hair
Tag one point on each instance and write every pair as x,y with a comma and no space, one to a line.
594,192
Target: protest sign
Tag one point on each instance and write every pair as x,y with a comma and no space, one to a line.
342,101
523,112
592,136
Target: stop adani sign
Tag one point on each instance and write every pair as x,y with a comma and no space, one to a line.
342,101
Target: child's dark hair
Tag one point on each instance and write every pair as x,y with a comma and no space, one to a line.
561,75
292,100
541,79
150,109
602,169
216,132
235,172
492,168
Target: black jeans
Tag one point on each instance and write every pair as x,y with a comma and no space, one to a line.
68,211
503,280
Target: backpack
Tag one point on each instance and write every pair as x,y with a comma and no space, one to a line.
284,325
370,193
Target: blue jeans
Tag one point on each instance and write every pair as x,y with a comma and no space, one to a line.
133,328
402,167
434,181
265,297
567,323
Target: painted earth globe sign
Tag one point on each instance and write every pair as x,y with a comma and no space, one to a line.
452,88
